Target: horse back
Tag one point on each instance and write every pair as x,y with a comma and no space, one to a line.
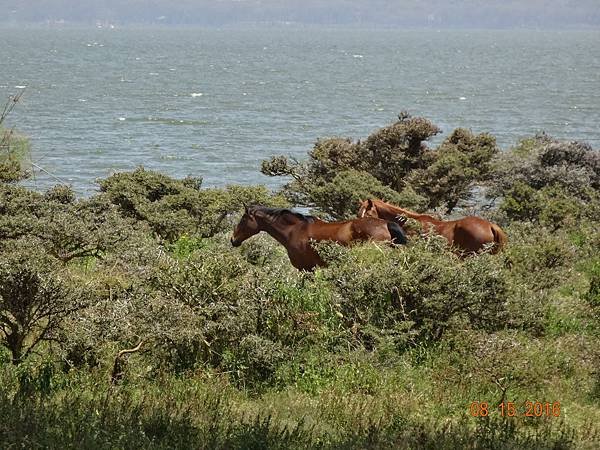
367,228
473,233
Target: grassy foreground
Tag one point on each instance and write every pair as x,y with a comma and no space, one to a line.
318,360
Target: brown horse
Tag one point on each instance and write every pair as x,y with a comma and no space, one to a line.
469,234
295,231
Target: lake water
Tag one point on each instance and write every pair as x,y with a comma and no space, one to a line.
215,102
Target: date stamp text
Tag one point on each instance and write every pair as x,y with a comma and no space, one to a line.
514,409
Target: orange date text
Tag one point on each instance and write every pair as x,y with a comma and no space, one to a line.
513,409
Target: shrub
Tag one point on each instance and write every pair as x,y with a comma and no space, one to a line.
538,257
462,160
174,207
550,206
393,163
593,293
547,181
35,298
340,197
416,293
13,148
66,228
210,308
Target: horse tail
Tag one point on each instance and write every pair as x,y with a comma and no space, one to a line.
500,238
397,233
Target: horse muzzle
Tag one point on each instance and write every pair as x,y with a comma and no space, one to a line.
235,242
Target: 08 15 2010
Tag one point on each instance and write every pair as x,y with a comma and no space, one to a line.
514,409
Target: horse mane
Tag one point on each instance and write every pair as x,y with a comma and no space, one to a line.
277,213
406,209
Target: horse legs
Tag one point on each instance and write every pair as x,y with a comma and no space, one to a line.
306,258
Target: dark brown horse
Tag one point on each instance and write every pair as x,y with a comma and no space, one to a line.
295,231
469,234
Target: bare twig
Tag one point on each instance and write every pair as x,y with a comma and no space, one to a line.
117,372
498,382
10,105
48,173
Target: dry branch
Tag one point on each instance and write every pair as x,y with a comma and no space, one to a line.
117,372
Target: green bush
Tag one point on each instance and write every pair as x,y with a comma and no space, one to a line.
462,160
174,207
340,197
539,257
66,228
393,163
35,298
593,293
415,293
547,181
14,148
550,206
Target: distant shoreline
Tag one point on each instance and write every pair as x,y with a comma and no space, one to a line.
374,27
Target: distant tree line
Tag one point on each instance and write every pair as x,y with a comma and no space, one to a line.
411,13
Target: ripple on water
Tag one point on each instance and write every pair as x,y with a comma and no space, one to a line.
306,86
168,121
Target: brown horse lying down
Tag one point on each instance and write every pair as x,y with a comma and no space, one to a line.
469,234
295,231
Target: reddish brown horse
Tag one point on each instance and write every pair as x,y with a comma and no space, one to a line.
295,231
469,234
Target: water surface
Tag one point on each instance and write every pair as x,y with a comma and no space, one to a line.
215,102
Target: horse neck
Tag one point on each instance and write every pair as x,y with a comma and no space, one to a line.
390,212
279,231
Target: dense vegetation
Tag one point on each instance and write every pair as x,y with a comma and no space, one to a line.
128,321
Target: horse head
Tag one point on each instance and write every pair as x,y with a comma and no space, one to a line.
367,209
247,227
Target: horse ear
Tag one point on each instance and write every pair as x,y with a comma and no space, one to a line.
370,203
245,208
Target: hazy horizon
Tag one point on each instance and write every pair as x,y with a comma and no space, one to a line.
584,14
